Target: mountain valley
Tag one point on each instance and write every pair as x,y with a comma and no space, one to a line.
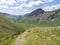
36,28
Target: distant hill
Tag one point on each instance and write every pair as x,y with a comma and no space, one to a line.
11,17
41,17
38,17
6,29
6,22
36,14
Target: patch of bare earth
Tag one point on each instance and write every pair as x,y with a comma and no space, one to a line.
20,40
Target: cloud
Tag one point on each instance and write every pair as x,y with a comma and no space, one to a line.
38,3
23,0
50,0
11,2
47,1
31,4
4,6
7,2
22,5
35,3
50,8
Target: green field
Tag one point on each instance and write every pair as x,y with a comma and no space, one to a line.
6,30
43,36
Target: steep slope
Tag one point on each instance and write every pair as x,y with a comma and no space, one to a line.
32,17
6,29
11,17
41,17
50,15
36,14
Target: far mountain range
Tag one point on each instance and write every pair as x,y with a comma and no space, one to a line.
38,15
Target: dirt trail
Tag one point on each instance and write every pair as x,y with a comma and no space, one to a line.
20,39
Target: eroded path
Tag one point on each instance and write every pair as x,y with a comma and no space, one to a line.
20,39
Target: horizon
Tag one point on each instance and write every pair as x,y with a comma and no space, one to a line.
27,13
21,7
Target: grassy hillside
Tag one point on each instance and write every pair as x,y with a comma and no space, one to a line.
9,30
6,29
50,23
50,18
43,36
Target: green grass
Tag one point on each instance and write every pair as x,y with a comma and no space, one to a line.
6,29
43,36
9,41
43,22
49,23
9,29
21,27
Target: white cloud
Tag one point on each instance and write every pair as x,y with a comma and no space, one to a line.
50,8
46,1
22,5
50,0
7,2
34,3
11,2
23,0
3,6
37,3
29,5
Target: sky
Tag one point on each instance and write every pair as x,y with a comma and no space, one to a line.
21,7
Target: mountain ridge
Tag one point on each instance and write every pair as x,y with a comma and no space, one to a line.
50,18
38,16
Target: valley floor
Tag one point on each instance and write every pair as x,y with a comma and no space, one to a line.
20,39
39,36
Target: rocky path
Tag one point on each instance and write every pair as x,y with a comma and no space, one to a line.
20,39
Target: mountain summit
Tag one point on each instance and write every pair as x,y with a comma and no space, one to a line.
36,14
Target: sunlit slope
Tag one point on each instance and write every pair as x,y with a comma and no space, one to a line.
6,28
49,18
43,36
